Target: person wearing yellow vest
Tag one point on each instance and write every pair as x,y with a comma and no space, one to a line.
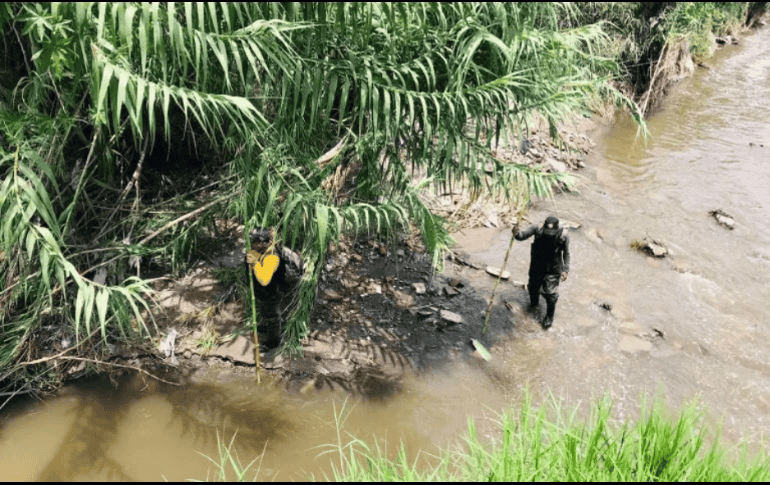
276,272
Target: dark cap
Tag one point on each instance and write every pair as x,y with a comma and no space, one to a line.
260,235
551,226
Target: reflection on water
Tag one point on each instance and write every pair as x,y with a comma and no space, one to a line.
695,324
136,432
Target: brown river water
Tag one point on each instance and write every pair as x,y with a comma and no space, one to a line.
694,325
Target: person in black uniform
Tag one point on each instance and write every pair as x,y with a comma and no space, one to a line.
276,299
549,263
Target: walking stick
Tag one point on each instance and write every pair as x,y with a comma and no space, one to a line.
258,366
499,277
252,258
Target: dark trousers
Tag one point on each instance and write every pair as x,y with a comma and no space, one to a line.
548,284
270,317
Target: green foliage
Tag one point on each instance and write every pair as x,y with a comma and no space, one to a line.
701,21
639,31
35,269
263,89
548,445
228,461
421,86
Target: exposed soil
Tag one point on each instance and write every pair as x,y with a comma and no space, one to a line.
370,324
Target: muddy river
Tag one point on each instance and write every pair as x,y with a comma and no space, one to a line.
694,324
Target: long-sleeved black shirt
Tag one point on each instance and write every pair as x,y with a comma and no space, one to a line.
548,255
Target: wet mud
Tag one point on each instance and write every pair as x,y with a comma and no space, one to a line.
387,301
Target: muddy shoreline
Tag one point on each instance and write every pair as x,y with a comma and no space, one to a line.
381,311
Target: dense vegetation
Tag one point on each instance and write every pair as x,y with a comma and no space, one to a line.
128,130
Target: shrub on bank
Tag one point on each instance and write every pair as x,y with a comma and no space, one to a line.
538,443
645,36
532,445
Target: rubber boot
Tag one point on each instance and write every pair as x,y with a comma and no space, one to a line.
534,296
550,310
272,340
271,322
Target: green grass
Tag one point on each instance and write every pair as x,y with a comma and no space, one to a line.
547,444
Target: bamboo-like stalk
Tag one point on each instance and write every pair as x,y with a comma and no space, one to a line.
258,364
499,277
494,290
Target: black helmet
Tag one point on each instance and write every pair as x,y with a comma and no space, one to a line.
551,226
260,235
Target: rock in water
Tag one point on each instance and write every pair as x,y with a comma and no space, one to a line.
569,224
723,218
656,249
494,271
651,247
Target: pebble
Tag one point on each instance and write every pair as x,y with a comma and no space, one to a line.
419,288
449,291
657,250
332,295
724,219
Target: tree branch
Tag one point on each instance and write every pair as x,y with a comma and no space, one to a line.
182,219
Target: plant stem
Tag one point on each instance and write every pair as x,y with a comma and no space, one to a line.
258,365
499,277
183,218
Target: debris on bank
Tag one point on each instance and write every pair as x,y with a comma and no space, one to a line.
723,218
534,149
495,271
650,246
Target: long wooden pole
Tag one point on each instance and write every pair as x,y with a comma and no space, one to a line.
258,366
499,277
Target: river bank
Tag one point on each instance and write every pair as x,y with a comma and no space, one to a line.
96,263
381,312
713,324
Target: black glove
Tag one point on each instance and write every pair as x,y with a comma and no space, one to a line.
515,229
